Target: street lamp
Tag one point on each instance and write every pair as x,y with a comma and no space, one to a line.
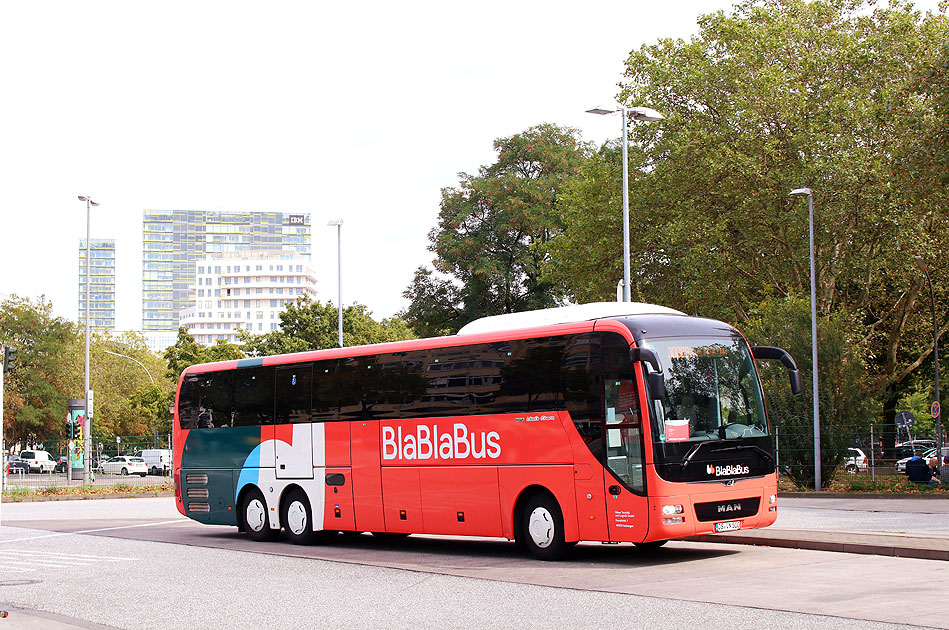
339,248
643,114
802,192
937,407
87,447
116,354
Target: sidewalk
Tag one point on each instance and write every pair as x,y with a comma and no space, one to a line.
889,540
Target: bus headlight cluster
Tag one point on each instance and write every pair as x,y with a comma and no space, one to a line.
773,499
672,511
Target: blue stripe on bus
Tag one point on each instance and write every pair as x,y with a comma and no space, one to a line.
245,363
250,471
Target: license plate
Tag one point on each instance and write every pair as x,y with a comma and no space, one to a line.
728,526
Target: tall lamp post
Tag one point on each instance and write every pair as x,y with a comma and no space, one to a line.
644,114
806,192
125,356
937,407
339,249
87,433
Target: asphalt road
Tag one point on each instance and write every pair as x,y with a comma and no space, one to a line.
136,563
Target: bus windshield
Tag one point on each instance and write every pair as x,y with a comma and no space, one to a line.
712,391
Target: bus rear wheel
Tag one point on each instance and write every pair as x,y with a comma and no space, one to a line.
254,516
541,528
297,517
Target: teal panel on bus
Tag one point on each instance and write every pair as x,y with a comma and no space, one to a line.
226,447
209,496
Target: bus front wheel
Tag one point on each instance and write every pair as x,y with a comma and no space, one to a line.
254,516
297,517
541,528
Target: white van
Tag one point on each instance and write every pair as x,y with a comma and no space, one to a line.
38,461
158,460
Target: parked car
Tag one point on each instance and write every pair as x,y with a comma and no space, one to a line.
39,461
62,464
901,464
16,466
856,461
911,446
123,465
158,460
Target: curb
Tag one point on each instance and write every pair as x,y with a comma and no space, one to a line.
84,497
810,494
893,545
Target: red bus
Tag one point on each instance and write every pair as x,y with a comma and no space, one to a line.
611,422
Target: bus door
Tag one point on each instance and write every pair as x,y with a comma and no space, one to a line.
624,477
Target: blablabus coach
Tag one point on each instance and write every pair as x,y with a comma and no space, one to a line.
612,422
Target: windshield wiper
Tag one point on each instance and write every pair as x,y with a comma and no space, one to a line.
695,449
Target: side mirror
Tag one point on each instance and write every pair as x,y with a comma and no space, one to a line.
657,386
770,352
656,381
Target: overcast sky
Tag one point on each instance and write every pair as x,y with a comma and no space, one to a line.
360,111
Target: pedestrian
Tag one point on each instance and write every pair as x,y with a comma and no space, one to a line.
918,469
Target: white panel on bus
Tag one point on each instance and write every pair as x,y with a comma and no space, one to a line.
295,460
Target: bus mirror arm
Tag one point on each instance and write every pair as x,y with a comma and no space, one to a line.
782,355
656,381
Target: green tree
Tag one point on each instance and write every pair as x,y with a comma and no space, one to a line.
491,230
776,95
187,352
119,384
35,393
312,325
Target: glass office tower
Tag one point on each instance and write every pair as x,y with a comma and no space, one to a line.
174,240
102,287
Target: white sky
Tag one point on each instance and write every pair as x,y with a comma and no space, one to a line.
360,111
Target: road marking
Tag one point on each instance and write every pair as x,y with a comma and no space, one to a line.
92,531
24,561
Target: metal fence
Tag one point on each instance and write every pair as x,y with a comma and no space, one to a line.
18,479
848,457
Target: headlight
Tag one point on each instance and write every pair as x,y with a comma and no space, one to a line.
669,510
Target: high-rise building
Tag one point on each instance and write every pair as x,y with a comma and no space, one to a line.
101,286
173,241
238,290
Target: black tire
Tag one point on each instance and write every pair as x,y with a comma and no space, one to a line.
253,515
125,471
297,517
650,546
540,531
142,475
852,469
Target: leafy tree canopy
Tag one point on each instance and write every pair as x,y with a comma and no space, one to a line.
313,325
491,229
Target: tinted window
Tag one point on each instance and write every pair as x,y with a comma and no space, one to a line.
189,400
294,387
325,390
253,396
353,377
215,400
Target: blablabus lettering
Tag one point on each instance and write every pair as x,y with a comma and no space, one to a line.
427,443
737,469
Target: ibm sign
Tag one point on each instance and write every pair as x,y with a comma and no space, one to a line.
297,219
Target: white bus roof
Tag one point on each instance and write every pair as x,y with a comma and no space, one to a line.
563,315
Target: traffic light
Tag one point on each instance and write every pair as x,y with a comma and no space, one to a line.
9,358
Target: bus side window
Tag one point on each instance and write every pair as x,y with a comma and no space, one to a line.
253,396
294,384
216,392
352,375
189,401
325,391
581,392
